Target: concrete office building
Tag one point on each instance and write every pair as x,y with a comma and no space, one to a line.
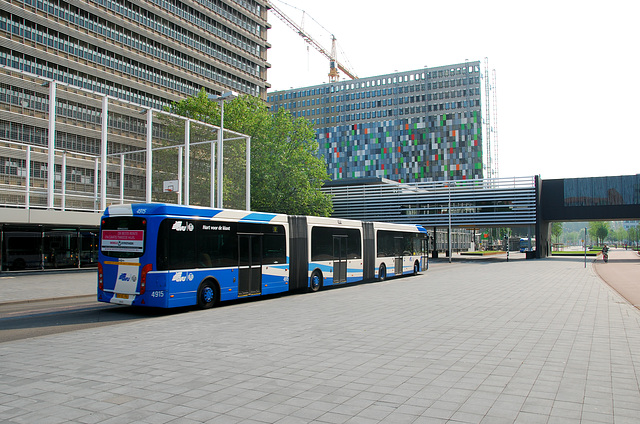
420,125
150,52
142,54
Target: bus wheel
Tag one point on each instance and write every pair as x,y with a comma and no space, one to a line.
416,268
316,281
207,295
382,272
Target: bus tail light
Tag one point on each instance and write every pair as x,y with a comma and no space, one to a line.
143,277
100,277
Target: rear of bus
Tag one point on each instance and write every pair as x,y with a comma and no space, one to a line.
127,254
170,256
400,249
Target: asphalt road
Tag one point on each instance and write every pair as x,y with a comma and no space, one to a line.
33,319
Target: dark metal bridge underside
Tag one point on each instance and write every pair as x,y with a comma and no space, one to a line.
483,203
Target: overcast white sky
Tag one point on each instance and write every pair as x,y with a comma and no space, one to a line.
568,72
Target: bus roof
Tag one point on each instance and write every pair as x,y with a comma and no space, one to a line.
397,227
146,209
168,209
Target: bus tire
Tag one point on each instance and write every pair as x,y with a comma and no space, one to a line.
382,272
416,268
207,294
316,281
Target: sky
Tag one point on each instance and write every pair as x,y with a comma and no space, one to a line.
567,71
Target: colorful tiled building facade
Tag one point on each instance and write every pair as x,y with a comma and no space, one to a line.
421,125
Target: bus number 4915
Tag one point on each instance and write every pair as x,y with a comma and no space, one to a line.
158,293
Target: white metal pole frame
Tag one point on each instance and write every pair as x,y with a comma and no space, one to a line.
96,168
149,175
180,175
248,175
28,179
122,178
224,96
51,145
220,156
103,153
187,136
63,180
213,168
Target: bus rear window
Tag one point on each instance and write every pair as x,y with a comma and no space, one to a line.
123,236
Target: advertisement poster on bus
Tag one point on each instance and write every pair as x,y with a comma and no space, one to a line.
123,241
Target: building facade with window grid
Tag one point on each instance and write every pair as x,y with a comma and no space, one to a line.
150,52
420,125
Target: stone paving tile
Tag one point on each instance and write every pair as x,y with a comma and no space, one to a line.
485,342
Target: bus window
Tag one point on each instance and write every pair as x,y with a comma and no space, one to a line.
385,244
322,243
217,244
274,242
354,246
274,248
393,243
176,244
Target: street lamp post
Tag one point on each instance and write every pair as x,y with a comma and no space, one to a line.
221,98
506,242
449,210
449,184
585,247
51,144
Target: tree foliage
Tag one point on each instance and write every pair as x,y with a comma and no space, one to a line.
286,171
599,230
556,230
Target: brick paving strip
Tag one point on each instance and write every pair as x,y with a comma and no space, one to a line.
479,342
622,273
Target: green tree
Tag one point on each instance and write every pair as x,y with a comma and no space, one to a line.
620,235
573,238
556,230
599,231
286,171
633,235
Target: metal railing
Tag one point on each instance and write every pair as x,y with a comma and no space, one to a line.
72,149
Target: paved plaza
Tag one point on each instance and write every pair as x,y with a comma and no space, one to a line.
482,341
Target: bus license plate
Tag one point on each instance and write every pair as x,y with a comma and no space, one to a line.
122,296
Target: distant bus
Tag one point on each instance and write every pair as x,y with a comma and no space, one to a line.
23,250
167,256
524,244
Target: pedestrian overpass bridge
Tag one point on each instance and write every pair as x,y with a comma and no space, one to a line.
528,202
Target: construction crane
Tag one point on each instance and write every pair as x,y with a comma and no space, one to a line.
334,65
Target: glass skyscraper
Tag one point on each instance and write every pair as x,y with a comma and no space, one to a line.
420,125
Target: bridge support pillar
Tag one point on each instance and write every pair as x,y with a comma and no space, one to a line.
543,238
435,243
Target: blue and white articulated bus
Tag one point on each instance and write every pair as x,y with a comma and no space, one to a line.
168,256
